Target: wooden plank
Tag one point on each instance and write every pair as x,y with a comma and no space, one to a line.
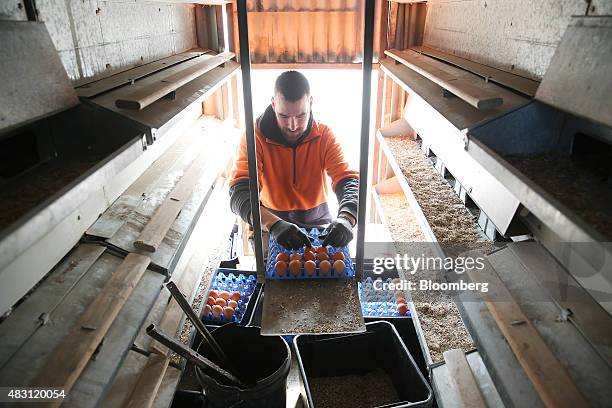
475,93
221,142
380,76
549,377
150,89
307,65
463,380
392,29
68,360
525,85
98,375
36,310
164,111
204,248
158,226
459,114
126,77
171,160
145,390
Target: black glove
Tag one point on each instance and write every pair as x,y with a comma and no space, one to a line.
338,233
289,235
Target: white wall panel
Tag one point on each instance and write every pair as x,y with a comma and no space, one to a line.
518,36
98,38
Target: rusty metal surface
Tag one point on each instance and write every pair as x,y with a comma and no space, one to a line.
311,307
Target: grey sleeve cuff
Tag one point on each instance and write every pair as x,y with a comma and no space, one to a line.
240,200
347,192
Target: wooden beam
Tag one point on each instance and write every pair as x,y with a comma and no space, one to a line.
151,89
474,93
307,66
123,78
516,82
156,229
70,358
462,379
549,377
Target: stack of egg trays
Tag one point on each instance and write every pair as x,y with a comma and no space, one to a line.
274,249
378,303
234,280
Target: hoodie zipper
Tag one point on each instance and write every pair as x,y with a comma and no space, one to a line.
294,166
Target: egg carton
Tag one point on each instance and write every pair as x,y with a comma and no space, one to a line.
379,303
232,280
274,248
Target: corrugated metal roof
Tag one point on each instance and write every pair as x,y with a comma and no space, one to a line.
292,31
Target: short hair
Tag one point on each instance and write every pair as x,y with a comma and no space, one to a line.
292,85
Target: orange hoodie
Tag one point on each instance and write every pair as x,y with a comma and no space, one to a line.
294,178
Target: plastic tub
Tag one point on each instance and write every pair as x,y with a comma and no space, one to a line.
379,351
264,360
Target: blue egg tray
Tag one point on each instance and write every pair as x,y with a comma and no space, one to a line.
377,303
233,280
274,248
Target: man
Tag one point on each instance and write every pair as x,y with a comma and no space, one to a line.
295,153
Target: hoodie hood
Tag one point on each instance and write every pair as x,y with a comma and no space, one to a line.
268,127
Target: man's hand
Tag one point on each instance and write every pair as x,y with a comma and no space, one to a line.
289,235
338,233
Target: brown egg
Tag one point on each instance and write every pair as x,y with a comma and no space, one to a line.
235,296
338,256
217,310
399,294
228,312
283,256
220,301
322,256
281,268
214,293
210,301
233,304
309,256
400,301
224,294
309,249
207,310
310,267
295,267
339,267
324,267
321,249
402,309
295,257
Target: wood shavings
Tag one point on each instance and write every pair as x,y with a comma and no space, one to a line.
312,306
585,190
372,389
449,219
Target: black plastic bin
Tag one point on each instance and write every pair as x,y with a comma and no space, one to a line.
379,350
262,360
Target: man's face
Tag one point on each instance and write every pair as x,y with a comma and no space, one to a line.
292,117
